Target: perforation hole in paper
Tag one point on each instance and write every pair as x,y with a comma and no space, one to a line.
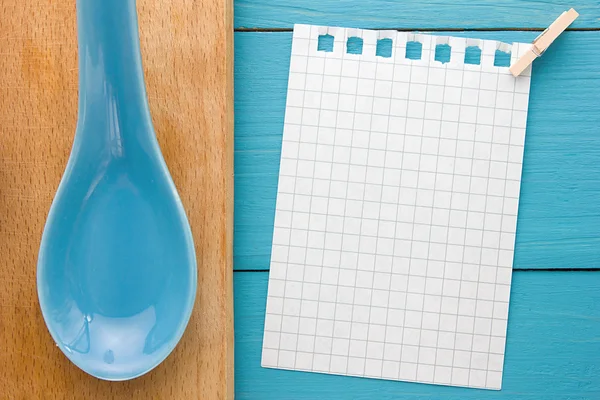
414,50
501,59
473,55
325,43
442,53
354,45
384,48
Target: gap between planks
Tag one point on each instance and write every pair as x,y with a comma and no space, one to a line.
514,269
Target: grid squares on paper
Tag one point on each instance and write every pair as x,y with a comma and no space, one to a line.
396,211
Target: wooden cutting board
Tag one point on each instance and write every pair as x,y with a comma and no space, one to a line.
187,49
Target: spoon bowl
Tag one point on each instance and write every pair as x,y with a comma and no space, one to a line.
116,268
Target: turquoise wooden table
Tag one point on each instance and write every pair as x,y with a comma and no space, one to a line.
553,344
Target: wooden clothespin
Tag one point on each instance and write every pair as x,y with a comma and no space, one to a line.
543,41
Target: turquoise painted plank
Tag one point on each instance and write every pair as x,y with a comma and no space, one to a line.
411,13
552,349
559,212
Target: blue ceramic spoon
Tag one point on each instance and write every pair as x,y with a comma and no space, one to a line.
116,269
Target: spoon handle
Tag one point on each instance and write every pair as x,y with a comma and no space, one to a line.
112,94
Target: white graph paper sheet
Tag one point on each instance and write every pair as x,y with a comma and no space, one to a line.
396,210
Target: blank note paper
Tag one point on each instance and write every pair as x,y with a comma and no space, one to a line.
396,207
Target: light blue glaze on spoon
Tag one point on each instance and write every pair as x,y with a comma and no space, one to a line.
116,269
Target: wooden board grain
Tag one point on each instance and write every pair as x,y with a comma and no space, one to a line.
187,50
559,210
413,14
